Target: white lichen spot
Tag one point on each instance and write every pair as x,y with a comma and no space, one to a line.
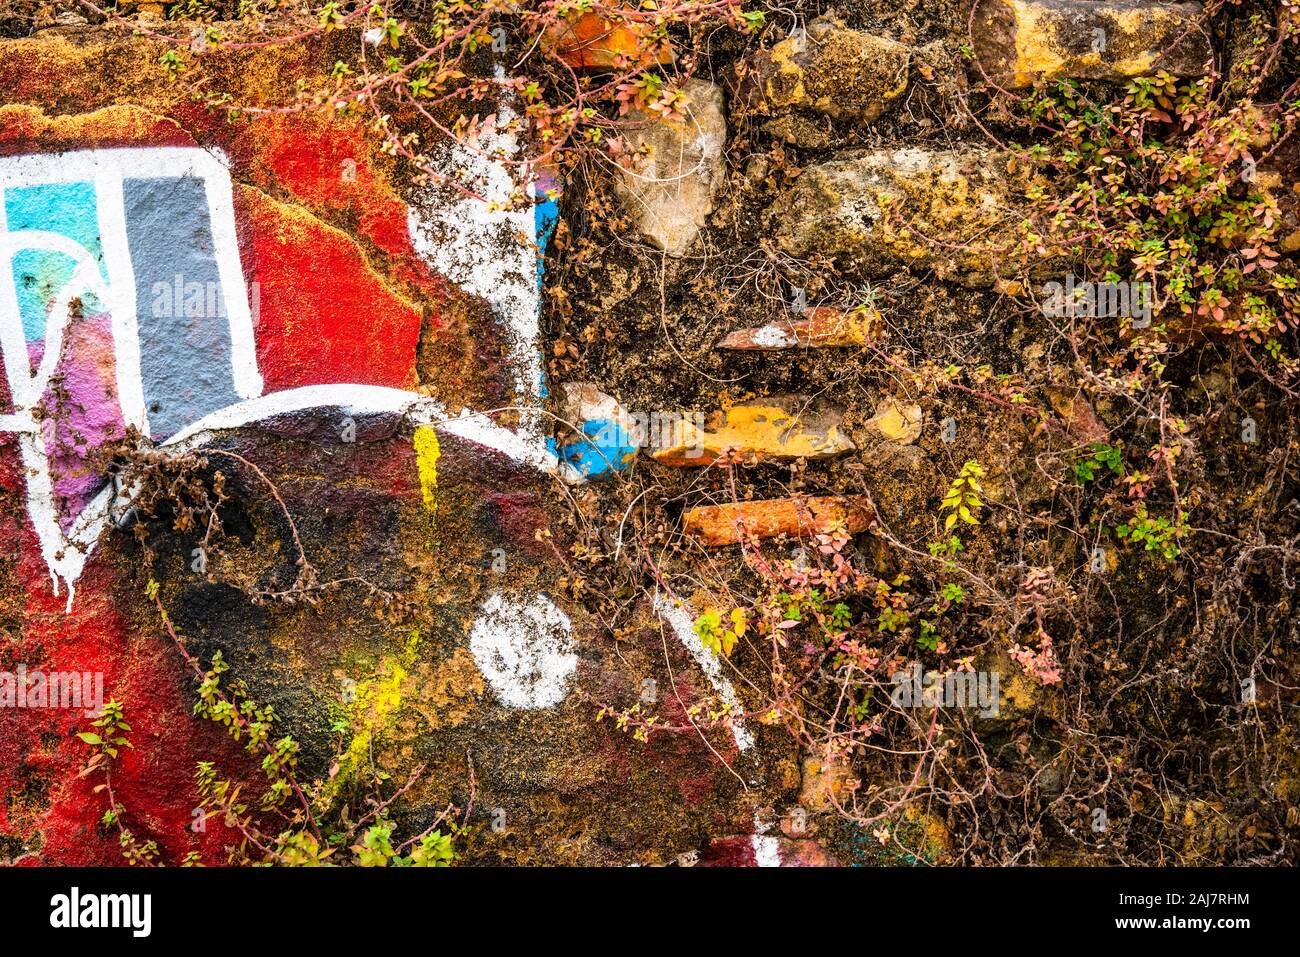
774,337
525,649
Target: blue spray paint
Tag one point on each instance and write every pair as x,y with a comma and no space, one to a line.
68,209
606,447
546,215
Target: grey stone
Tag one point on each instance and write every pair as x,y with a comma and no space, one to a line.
672,191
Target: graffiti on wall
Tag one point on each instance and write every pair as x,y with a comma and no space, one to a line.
123,304
250,287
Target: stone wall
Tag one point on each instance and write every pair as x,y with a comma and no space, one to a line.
449,481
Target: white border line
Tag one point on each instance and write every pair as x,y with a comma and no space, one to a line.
121,282
370,399
107,168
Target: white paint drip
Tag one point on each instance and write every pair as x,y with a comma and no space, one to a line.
525,650
490,250
767,851
64,556
679,619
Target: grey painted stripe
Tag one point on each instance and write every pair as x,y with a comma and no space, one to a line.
185,350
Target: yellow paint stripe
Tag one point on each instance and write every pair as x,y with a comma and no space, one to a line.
427,452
